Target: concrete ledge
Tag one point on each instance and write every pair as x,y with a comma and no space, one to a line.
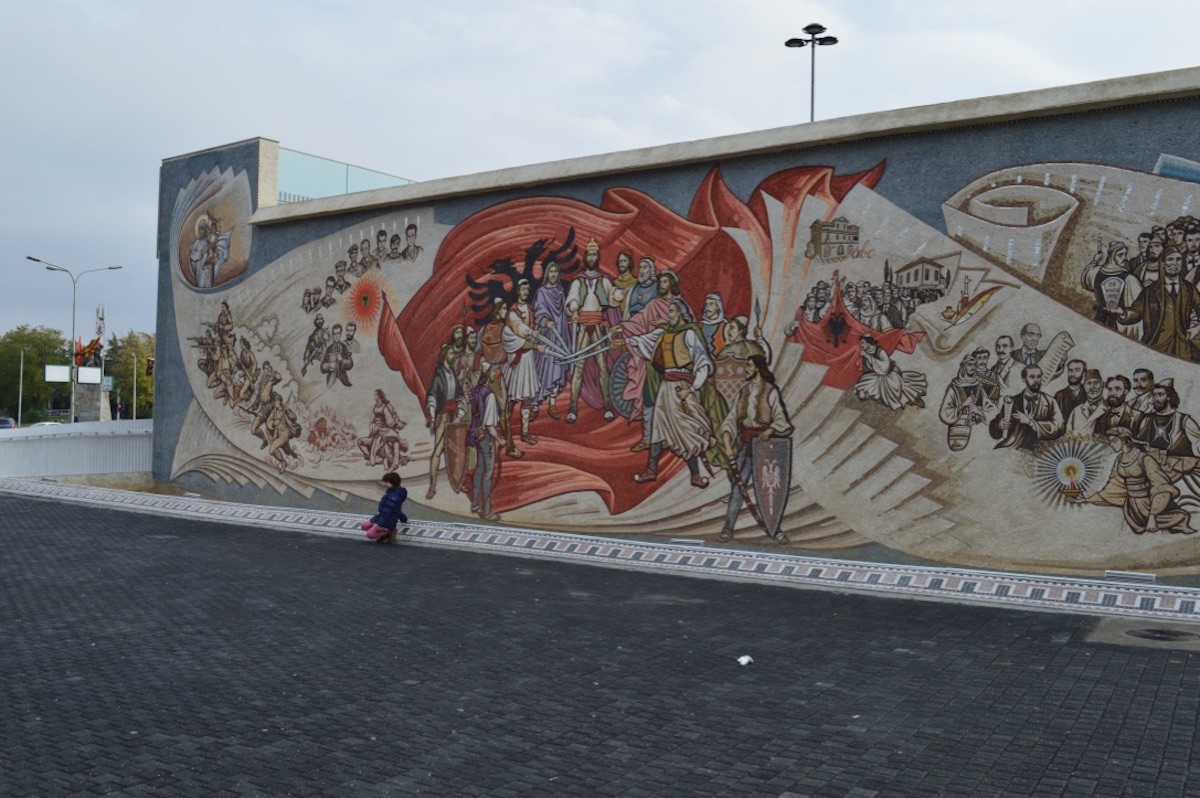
1155,87
1013,590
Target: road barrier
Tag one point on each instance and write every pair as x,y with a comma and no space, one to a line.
96,447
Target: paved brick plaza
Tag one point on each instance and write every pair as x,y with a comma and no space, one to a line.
148,656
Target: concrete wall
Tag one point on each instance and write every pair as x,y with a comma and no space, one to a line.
97,447
888,269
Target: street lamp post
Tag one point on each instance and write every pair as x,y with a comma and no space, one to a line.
814,40
134,356
21,386
74,286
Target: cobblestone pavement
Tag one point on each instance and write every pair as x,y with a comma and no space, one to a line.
178,657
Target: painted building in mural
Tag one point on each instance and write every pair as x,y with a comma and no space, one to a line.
964,334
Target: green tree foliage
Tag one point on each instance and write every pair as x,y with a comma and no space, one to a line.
125,360
43,345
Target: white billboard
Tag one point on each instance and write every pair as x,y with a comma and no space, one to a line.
58,373
88,375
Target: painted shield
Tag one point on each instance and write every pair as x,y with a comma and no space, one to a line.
618,379
730,378
771,461
456,454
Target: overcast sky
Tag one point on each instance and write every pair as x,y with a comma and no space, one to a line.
96,94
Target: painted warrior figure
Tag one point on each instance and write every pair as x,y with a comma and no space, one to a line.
587,299
281,427
485,436
740,347
520,369
685,403
264,398
757,412
318,339
248,365
653,315
491,350
444,401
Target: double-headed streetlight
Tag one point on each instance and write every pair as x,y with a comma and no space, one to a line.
814,40
74,286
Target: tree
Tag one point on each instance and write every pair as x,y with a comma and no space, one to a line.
125,359
43,345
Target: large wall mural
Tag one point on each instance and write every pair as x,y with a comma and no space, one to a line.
809,365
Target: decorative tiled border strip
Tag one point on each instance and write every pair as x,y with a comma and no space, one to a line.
1061,594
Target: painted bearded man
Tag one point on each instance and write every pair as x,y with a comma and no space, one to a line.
647,319
587,299
551,320
687,407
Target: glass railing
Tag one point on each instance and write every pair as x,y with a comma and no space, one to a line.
305,177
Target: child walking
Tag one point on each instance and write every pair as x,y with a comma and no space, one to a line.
381,528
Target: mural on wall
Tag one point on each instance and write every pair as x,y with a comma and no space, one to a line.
810,365
210,230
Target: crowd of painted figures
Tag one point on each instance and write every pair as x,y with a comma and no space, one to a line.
238,381
627,344
1139,417
882,307
1152,295
362,259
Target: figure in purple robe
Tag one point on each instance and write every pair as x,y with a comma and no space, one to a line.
550,320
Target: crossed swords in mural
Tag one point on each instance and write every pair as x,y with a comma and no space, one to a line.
562,353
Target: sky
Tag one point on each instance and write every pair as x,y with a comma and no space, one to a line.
96,95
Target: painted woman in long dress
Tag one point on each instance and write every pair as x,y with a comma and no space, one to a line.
1140,487
885,382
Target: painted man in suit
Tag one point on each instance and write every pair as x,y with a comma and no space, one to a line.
1169,310
1028,418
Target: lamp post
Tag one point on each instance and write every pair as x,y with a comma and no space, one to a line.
21,385
134,356
74,286
814,40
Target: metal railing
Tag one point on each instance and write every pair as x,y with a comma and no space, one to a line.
93,447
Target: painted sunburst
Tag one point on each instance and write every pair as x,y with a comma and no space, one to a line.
364,302
1068,469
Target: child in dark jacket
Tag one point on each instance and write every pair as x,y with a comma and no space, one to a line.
381,527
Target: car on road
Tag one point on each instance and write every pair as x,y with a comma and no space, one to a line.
47,424
7,423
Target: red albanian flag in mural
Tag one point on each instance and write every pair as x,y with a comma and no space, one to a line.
593,454
833,341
